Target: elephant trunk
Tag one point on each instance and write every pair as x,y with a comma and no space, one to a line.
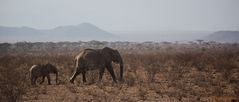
120,61
121,70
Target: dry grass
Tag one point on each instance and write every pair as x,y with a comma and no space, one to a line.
157,72
13,80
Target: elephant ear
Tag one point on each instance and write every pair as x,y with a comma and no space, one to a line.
116,56
44,69
48,64
107,54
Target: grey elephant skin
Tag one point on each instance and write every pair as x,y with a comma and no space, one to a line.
97,59
42,71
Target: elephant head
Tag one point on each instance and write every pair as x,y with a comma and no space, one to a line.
112,55
52,69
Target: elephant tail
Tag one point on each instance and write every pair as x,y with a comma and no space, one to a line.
75,65
75,62
30,73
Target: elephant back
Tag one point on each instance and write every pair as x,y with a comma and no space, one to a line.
44,71
35,71
49,68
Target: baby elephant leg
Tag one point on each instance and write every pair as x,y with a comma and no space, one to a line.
83,75
33,80
49,79
43,79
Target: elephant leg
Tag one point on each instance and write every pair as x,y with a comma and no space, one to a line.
101,73
83,75
34,80
74,76
112,73
49,79
43,79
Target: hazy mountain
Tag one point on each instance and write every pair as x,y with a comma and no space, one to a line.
84,31
162,35
223,36
81,30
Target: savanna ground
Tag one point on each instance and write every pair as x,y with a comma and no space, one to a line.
165,72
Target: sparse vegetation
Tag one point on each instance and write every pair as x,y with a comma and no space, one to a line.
153,72
13,80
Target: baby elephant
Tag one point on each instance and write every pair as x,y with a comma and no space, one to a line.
42,71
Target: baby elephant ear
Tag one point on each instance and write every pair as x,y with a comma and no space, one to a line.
116,52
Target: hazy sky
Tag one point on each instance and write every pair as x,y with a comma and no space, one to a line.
136,15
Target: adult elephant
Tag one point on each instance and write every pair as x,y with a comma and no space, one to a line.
42,71
93,59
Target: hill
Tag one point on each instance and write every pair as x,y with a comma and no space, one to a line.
84,31
223,36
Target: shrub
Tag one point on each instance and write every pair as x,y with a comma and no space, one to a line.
13,84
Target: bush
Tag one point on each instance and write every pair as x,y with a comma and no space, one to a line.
12,84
